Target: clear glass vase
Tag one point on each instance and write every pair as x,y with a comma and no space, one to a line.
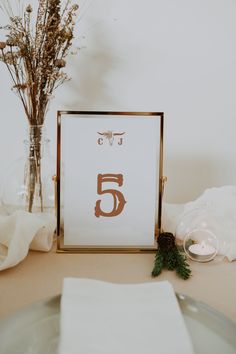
28,183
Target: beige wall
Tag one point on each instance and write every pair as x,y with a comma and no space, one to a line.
176,56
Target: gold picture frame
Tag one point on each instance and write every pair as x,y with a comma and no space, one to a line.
77,129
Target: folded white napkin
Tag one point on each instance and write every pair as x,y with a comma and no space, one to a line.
106,318
21,231
220,216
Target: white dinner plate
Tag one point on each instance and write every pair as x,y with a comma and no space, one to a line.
35,329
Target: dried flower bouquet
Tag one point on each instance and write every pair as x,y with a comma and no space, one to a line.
34,52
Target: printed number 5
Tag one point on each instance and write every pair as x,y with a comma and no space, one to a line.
119,200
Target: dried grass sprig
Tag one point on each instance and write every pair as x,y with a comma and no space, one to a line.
34,52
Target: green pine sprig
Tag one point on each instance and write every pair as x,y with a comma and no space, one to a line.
170,257
182,268
158,264
171,260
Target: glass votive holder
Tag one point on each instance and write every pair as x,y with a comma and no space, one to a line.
201,245
197,232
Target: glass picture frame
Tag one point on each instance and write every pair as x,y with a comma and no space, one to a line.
109,181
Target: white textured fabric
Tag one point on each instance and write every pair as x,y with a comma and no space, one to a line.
21,231
220,216
106,318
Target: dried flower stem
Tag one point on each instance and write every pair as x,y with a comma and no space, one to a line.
35,57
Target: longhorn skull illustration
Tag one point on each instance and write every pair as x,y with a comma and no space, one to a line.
109,135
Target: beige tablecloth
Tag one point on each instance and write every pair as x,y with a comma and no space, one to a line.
40,275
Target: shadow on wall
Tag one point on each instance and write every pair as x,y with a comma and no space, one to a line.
187,178
89,87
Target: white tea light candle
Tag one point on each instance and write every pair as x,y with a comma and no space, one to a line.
202,252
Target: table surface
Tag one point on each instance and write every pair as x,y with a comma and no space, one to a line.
41,275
